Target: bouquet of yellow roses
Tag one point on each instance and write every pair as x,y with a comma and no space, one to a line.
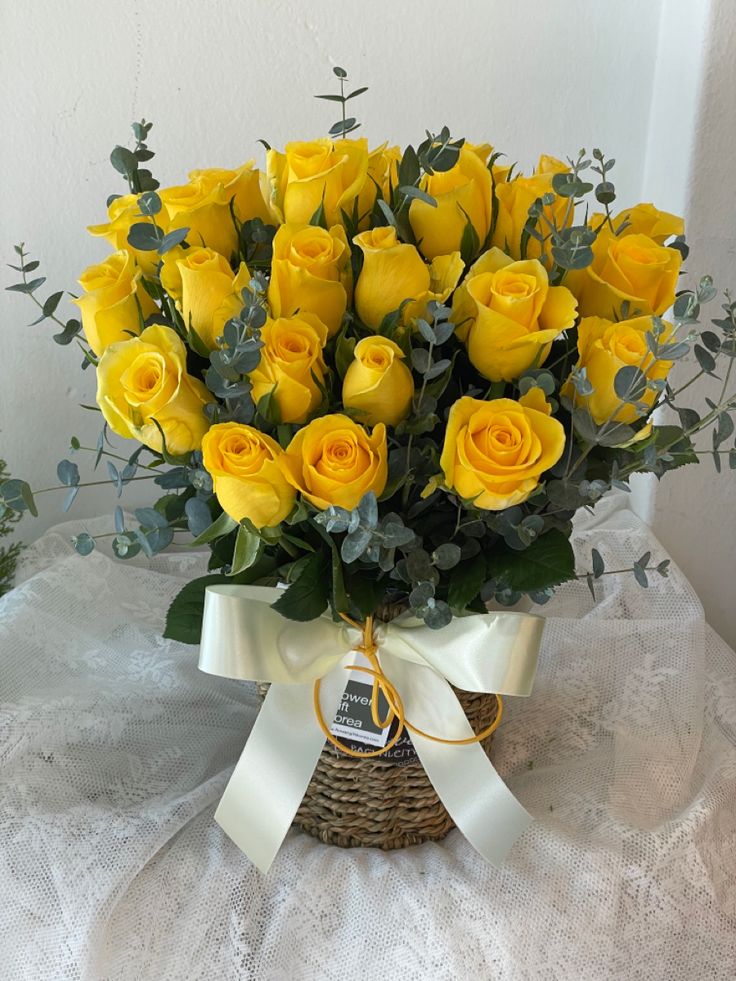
384,379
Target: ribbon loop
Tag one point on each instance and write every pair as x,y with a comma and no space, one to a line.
242,637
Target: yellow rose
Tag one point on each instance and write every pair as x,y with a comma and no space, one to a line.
144,379
310,272
110,303
202,207
211,294
291,359
383,172
170,274
394,271
645,219
333,460
245,475
124,212
508,314
628,268
462,193
604,347
495,452
378,383
306,175
242,186
516,196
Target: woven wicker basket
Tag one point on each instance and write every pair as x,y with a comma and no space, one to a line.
375,803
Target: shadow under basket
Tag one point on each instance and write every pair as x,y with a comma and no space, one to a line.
377,803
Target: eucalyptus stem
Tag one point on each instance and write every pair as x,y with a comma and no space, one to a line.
116,456
89,483
615,572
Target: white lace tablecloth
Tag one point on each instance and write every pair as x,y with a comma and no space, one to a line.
115,750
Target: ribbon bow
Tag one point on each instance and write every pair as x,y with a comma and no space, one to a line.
243,638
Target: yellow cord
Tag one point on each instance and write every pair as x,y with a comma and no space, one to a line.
381,685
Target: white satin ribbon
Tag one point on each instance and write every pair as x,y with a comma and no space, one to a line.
242,637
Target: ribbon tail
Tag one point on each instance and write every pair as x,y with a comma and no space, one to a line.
476,798
275,767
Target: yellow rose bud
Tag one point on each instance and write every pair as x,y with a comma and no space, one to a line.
211,294
378,383
644,219
508,314
124,212
310,272
245,475
333,460
110,303
291,359
143,381
463,194
495,452
604,347
628,269
242,186
204,208
394,271
516,196
323,172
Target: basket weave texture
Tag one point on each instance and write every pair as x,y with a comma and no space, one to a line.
373,803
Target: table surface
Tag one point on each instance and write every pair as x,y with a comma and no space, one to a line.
115,750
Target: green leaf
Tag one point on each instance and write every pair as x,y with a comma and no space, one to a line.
418,194
446,556
268,407
640,575
84,543
366,594
30,287
549,560
319,218
70,331
144,236
387,213
344,353
221,526
184,616
123,160
630,383
466,581
469,243
307,598
248,549
52,302
149,203
172,239
599,566
17,495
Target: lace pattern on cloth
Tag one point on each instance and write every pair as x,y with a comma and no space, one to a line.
116,749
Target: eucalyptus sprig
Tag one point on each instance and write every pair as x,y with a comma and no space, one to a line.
347,124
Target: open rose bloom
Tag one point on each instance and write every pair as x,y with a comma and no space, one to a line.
386,377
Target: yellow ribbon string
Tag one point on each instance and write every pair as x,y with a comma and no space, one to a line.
381,685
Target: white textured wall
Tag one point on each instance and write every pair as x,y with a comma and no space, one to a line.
694,113
214,75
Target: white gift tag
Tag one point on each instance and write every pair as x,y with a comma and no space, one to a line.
353,719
